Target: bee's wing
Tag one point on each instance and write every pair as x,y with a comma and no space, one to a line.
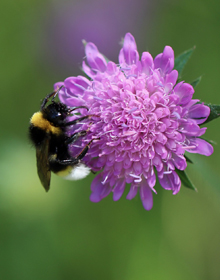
43,167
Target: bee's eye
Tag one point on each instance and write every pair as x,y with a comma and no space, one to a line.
53,114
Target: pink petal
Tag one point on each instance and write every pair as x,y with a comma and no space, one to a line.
165,60
77,85
161,150
191,128
88,70
199,113
185,92
177,183
133,191
97,188
158,163
58,85
151,180
64,94
128,53
73,101
117,168
111,68
110,159
118,189
94,58
147,63
201,147
172,77
170,182
146,195
179,161
137,167
127,162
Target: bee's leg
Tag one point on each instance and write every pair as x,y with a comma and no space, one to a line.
78,120
64,162
77,159
78,107
75,136
84,151
54,93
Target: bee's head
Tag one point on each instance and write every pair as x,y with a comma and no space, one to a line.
56,113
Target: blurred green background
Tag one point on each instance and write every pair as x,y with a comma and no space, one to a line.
61,234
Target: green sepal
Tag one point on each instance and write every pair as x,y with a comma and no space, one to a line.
214,112
84,42
196,82
188,159
185,179
181,60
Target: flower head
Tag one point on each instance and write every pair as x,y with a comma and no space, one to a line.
145,121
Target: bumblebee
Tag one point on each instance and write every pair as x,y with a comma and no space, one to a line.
47,131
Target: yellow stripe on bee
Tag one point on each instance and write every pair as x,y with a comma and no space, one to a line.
39,121
65,172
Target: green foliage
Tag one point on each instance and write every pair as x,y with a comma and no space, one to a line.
196,82
182,59
214,112
185,179
188,159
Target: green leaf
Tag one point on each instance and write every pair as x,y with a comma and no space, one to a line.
185,180
196,82
188,159
214,112
181,60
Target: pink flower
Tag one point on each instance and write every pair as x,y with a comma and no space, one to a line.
145,121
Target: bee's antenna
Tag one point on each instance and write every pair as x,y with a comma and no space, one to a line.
54,94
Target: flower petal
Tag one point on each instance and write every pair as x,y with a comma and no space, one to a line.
97,188
77,85
146,195
170,181
179,161
161,150
58,85
191,128
118,189
74,102
87,70
151,180
111,68
165,60
199,112
200,146
147,63
141,121
137,167
64,94
133,191
94,58
172,77
185,92
128,53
